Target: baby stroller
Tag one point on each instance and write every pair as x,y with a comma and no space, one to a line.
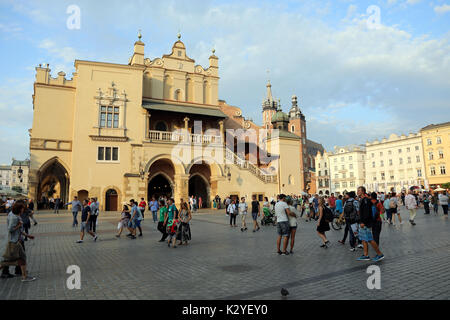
268,217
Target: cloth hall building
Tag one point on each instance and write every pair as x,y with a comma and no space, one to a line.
112,130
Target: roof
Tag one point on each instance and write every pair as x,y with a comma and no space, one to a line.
433,126
24,163
286,134
280,116
204,111
5,167
314,147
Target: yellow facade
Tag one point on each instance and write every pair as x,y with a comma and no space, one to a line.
436,153
123,131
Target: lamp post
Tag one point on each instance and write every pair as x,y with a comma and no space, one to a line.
20,173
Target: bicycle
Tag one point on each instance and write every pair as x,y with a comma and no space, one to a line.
337,223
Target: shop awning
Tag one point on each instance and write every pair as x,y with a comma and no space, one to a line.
204,111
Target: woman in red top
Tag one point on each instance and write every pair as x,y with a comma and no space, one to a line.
142,206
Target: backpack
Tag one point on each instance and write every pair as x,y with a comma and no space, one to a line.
350,212
392,204
328,214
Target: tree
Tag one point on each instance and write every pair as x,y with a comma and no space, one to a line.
445,185
17,189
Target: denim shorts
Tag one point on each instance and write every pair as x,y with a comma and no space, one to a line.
365,234
85,226
283,228
132,224
255,216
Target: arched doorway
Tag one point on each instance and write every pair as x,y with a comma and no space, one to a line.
82,195
161,126
53,183
199,187
159,185
111,200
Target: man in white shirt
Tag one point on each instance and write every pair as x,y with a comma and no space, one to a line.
281,212
411,205
243,207
443,201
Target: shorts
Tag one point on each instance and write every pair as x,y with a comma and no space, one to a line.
243,216
137,223
85,226
132,224
283,228
365,234
255,216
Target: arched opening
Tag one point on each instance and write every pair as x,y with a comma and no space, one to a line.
53,183
161,126
159,186
161,177
200,184
111,200
82,195
199,188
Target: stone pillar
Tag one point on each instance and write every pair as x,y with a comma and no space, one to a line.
181,188
147,127
222,133
186,124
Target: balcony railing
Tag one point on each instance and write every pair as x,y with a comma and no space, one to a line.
182,137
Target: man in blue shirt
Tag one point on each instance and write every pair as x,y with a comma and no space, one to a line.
135,220
76,206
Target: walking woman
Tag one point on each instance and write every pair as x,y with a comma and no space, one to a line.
232,211
184,232
292,223
124,219
322,225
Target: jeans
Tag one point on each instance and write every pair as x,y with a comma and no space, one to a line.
389,214
93,220
75,221
348,230
426,206
162,229
233,219
154,213
445,208
435,208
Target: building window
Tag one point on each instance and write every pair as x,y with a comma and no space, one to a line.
438,140
392,176
350,166
319,173
441,154
343,167
417,148
350,158
417,158
382,176
335,168
179,53
344,176
419,172
389,152
399,150
351,174
373,155
337,185
430,156
352,184
382,163
335,160
292,128
108,154
326,172
374,178
342,159
381,154
344,184
442,169
432,171
109,117
336,176
408,149
373,164
390,162
409,159
400,160
320,183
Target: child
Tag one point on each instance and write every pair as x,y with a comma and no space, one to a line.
124,219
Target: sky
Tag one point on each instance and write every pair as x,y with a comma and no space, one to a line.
361,69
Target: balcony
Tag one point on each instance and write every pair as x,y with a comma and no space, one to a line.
177,137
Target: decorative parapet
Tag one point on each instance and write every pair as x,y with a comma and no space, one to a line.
50,144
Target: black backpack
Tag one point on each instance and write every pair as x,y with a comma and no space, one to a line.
350,212
327,214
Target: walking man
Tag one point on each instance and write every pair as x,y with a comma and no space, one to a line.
365,227
281,212
411,206
443,201
86,222
94,214
243,207
256,211
76,206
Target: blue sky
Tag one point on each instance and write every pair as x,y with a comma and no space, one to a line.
354,83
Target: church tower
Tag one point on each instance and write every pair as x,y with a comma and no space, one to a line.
297,125
269,106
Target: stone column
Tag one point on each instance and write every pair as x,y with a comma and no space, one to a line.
186,124
222,133
181,188
147,127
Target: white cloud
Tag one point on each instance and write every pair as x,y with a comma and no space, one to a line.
442,9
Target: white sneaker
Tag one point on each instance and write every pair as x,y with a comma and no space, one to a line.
401,222
28,279
80,241
360,246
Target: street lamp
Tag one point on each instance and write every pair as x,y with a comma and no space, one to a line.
141,171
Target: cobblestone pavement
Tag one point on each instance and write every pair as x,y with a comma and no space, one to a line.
225,263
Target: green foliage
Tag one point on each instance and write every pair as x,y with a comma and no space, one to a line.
445,185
